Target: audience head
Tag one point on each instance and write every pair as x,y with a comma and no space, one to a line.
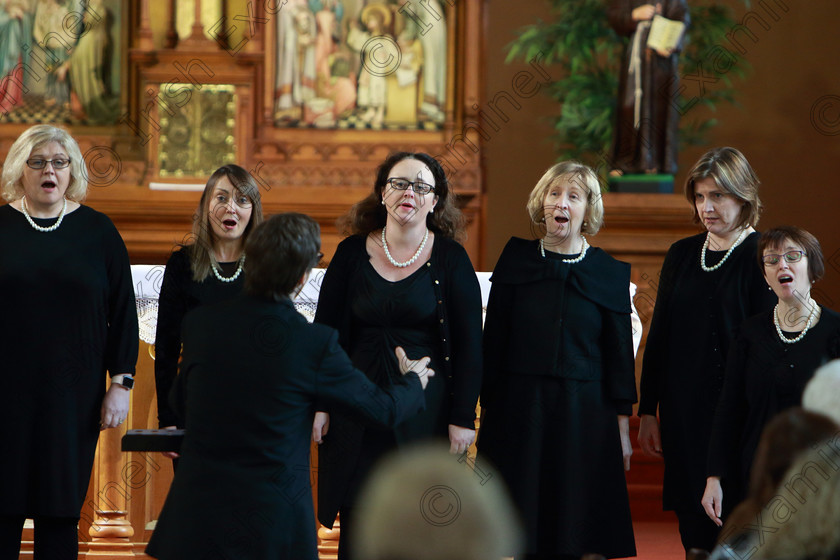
426,504
822,393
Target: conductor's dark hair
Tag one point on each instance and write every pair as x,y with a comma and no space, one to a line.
280,252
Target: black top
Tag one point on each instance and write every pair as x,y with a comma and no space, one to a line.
70,316
696,317
242,488
764,376
370,315
578,317
179,293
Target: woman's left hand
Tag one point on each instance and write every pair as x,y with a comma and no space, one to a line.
626,446
460,439
114,407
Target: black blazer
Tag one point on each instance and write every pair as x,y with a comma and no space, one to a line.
251,372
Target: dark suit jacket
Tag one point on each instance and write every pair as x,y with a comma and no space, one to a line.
251,373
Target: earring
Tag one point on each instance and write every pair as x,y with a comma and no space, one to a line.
432,211
383,202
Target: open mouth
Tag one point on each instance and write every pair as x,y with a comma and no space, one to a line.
785,279
229,223
561,219
48,185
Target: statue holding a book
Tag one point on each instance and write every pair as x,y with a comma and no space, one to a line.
647,113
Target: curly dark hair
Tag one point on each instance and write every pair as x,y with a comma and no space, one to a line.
370,215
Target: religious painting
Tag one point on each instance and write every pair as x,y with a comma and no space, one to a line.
361,64
59,61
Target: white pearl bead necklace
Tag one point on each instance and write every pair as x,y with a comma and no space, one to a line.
726,256
811,315
235,274
410,261
584,246
36,226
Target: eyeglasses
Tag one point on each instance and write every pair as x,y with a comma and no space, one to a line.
40,163
418,187
790,257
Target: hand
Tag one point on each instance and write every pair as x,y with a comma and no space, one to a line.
114,407
320,426
664,53
420,367
713,499
644,13
624,434
649,438
460,439
170,454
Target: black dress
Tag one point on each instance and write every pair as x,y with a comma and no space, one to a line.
179,293
696,317
558,355
764,376
435,312
70,316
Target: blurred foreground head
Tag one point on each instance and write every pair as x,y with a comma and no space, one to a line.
426,504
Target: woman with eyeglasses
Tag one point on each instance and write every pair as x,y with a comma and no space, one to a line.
207,269
774,356
70,319
708,285
400,279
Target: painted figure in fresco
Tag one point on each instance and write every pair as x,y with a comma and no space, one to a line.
15,27
89,66
375,21
427,22
295,59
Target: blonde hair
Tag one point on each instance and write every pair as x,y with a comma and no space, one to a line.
35,137
577,174
810,496
422,503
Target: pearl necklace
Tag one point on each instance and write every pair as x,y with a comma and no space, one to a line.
726,256
583,248
410,261
235,275
36,226
811,315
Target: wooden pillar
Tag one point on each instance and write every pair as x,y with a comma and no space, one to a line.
172,30
144,35
111,531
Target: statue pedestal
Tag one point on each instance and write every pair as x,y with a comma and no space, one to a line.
642,184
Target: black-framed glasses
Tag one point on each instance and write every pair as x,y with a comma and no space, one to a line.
790,257
40,163
418,187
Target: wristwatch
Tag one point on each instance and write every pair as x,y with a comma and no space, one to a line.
126,382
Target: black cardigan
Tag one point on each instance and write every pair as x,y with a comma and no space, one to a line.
528,290
459,313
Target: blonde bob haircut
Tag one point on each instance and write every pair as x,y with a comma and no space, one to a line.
732,173
577,174
35,137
